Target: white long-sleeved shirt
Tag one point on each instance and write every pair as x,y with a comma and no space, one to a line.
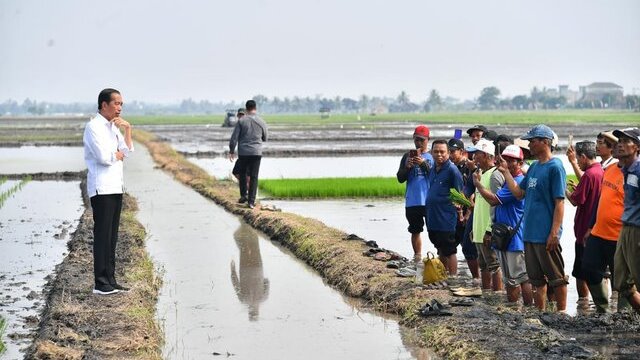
105,172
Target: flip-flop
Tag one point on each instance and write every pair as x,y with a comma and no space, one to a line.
438,285
371,243
405,272
381,256
462,302
372,251
437,304
352,237
430,310
393,264
477,292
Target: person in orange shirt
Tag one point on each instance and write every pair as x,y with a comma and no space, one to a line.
601,239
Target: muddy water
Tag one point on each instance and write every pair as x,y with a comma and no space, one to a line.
229,290
47,159
33,240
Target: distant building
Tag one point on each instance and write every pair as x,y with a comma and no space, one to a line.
602,94
570,95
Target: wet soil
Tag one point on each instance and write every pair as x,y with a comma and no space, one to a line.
475,332
79,325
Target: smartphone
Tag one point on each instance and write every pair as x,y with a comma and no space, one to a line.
570,140
413,153
457,134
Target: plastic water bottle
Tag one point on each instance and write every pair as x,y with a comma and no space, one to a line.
419,272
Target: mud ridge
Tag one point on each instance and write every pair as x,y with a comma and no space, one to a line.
488,330
56,176
79,325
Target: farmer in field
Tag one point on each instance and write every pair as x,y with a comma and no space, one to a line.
509,210
458,157
483,213
627,257
442,215
585,197
604,229
414,167
104,152
249,134
543,190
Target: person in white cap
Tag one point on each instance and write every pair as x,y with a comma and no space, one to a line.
484,157
509,210
543,188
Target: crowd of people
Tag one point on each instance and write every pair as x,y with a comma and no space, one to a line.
518,185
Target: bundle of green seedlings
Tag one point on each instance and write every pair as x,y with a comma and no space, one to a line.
319,188
6,194
3,325
458,198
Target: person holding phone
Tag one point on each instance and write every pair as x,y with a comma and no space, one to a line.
414,167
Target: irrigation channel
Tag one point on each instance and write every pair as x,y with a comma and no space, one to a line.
229,290
35,223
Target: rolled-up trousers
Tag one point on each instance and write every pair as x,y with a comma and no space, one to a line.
106,218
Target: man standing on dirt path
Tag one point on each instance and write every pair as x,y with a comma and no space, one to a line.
442,215
414,167
627,257
104,152
585,198
543,188
604,229
249,134
483,213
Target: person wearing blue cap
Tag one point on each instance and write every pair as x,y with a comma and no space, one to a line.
543,189
627,258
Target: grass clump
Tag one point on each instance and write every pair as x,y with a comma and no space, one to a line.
3,325
318,188
6,194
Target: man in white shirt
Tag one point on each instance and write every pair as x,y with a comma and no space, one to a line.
104,152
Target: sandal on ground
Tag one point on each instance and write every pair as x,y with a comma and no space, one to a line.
430,310
462,302
371,243
438,285
477,292
405,272
381,256
393,264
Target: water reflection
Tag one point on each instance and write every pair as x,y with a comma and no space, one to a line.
251,287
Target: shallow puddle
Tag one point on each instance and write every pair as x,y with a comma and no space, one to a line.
229,290
35,225
46,159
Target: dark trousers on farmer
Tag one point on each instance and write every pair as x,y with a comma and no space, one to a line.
249,165
106,218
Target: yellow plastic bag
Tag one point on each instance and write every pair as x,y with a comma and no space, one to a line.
434,269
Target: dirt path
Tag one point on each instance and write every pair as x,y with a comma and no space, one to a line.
79,325
487,330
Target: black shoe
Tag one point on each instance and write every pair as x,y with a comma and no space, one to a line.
105,290
120,287
242,200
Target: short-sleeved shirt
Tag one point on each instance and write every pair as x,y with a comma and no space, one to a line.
441,214
586,198
510,212
482,211
631,214
543,184
417,185
611,205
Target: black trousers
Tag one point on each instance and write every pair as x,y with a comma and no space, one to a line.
249,165
106,218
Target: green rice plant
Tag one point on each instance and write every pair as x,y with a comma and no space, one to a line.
333,187
457,197
3,179
5,195
3,325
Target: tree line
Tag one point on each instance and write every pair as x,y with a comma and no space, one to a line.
488,99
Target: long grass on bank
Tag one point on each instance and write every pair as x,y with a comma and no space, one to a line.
3,325
333,187
325,188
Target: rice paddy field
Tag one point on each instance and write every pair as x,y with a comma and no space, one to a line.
475,117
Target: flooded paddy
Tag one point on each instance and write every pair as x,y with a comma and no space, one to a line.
46,159
229,290
33,240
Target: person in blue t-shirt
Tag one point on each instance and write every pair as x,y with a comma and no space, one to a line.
543,189
509,210
414,167
442,215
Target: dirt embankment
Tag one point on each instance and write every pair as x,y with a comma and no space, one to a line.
79,325
488,330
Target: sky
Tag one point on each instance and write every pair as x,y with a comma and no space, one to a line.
165,51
